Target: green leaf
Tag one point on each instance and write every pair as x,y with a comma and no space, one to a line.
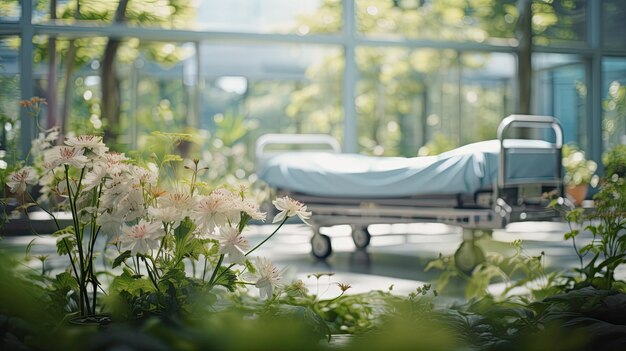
134,285
29,247
226,279
66,240
571,234
121,258
185,228
612,261
308,316
437,264
65,281
172,158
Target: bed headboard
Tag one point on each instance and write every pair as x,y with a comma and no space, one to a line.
314,142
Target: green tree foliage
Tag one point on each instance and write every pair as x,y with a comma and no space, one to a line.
405,96
80,57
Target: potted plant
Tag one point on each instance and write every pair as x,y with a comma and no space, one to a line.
579,173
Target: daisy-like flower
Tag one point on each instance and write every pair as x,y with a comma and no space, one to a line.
178,198
90,142
252,210
145,176
142,237
289,207
65,155
215,210
132,204
18,180
95,176
44,141
110,225
115,162
165,215
233,244
267,277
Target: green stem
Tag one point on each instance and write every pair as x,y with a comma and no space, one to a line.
150,273
83,296
155,271
204,270
268,238
217,267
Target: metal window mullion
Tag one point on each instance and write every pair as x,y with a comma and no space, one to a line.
594,99
350,134
27,123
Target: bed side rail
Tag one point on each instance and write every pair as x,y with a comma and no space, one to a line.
530,122
330,143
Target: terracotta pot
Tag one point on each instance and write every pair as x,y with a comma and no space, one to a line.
577,193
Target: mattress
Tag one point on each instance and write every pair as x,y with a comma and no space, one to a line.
464,170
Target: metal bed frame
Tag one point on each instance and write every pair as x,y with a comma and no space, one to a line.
508,201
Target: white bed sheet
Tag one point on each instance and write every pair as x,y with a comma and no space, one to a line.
464,170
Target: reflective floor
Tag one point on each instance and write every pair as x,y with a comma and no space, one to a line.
396,257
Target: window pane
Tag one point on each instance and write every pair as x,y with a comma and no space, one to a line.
9,98
270,16
558,22
560,90
10,10
614,102
146,87
613,24
278,88
254,16
438,19
427,101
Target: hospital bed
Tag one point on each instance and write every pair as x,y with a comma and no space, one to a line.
480,186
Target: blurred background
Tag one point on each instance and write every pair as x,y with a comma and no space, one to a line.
385,77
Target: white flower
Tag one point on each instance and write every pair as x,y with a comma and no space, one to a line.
132,204
65,155
44,141
233,244
95,176
215,210
110,224
142,237
90,142
166,215
267,277
178,198
18,180
115,162
145,176
289,208
252,210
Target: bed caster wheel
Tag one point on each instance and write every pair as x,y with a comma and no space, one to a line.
361,236
468,256
320,246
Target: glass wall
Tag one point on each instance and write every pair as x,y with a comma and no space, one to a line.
614,102
10,10
561,91
247,16
427,101
461,21
562,22
613,24
279,88
9,97
385,77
